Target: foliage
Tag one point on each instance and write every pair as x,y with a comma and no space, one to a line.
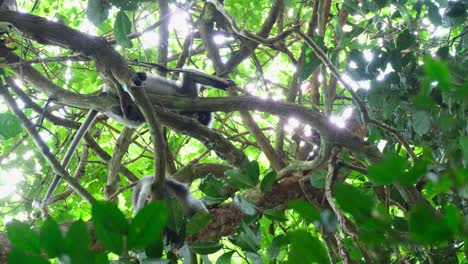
143,231
406,62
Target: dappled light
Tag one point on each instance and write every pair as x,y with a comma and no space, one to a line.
213,131
9,179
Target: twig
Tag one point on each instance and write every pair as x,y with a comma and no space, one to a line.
121,190
12,149
332,171
79,173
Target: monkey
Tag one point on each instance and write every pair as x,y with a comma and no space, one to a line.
156,85
153,84
172,188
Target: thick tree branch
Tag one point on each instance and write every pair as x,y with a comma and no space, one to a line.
339,136
121,147
183,124
342,137
196,171
79,173
112,68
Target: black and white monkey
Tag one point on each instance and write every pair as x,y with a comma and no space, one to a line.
189,85
172,188
153,85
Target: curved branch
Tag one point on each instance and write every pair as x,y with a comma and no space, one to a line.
121,147
210,138
319,122
299,165
109,63
111,66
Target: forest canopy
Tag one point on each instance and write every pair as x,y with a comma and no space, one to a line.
339,134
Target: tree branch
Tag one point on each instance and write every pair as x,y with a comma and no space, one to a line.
121,147
54,163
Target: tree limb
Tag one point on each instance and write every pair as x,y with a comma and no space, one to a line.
54,163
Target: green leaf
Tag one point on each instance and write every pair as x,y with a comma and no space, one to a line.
405,40
453,219
246,239
22,237
206,247
102,211
275,215
388,170
437,71
247,178
317,179
175,216
127,5
421,121
455,9
122,27
236,179
278,244
268,181
465,248
345,155
455,14
246,207
155,248
212,186
328,220
208,200
417,170
433,12
97,11
381,3
395,59
101,258
197,222
10,126
354,33
16,255
306,249
464,147
360,210
311,61
252,171
307,211
351,6
400,224
225,258
77,243
110,233
51,238
147,226
426,226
